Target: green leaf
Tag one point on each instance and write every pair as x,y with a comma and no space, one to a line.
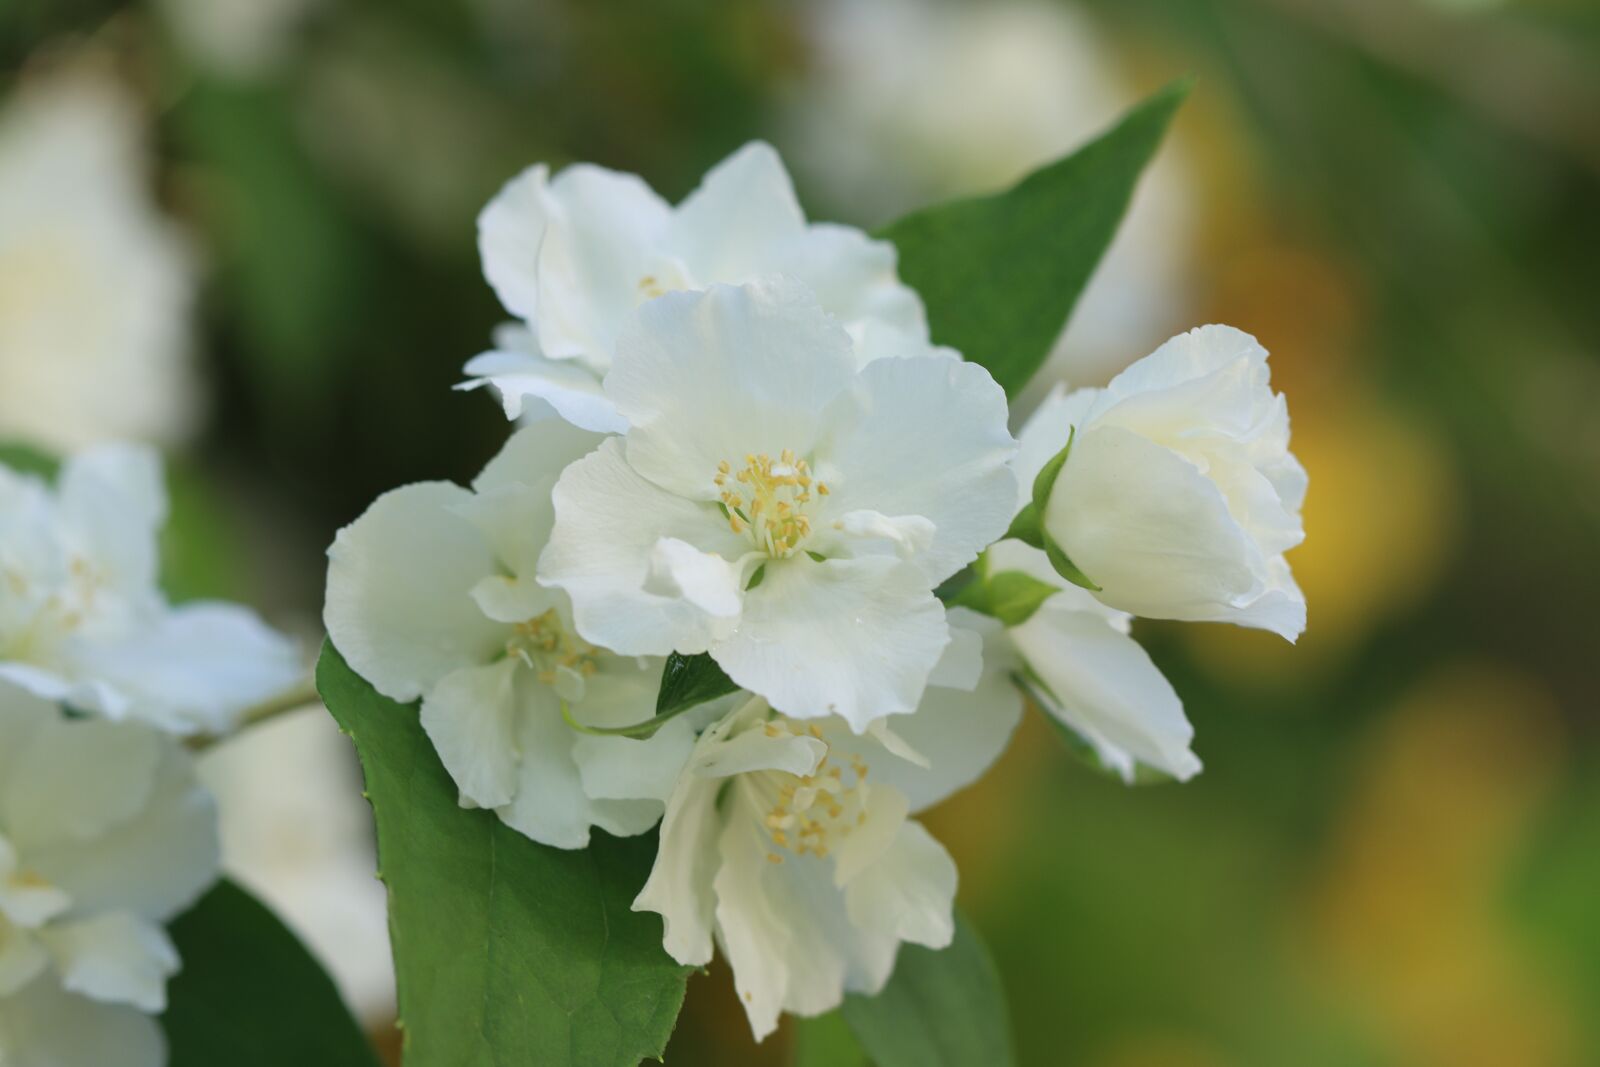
25,459
689,681
1010,596
507,952
1000,274
940,1009
250,995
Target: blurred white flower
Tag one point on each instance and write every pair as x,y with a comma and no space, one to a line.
82,620
432,594
241,38
1180,495
104,836
297,833
789,843
1085,669
780,505
907,102
96,287
572,256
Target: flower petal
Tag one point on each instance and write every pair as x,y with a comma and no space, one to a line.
45,1026
1046,433
568,386
727,229
960,732
155,865
114,957
850,637
1108,690
112,501
197,668
909,893
709,377
78,779
608,521
470,718
399,604
923,437
855,281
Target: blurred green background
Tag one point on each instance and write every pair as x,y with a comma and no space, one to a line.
1393,857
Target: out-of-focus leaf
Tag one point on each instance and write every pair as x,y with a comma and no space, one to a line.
941,1008
826,1041
250,995
1000,274
506,951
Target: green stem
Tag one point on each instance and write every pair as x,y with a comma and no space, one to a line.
639,730
291,700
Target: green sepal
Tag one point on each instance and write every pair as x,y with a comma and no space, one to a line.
1010,596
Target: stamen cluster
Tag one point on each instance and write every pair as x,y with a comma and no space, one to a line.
765,500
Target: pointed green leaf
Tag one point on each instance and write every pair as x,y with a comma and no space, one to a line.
1000,274
507,952
689,681
250,995
941,1008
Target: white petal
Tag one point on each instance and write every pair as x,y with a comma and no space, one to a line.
704,579
620,693
535,456
854,279
25,899
755,933
727,229
1187,356
198,667
79,778
44,1026
114,957
679,887
113,503
1108,690
909,893
1152,531
850,637
961,664
598,260
908,536
709,377
608,520
510,231
157,864
923,437
885,810
958,732
399,605
470,718
567,385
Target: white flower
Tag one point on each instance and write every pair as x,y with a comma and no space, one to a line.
242,38
432,594
83,622
96,288
1179,496
104,836
573,256
778,505
789,843
1085,669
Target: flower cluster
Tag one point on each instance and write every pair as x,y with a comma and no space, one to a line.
104,832
739,443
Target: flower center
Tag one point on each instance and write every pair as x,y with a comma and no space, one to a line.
810,813
548,647
766,500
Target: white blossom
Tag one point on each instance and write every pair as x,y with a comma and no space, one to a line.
432,594
572,256
96,287
790,844
780,505
82,620
104,837
1085,669
1179,497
